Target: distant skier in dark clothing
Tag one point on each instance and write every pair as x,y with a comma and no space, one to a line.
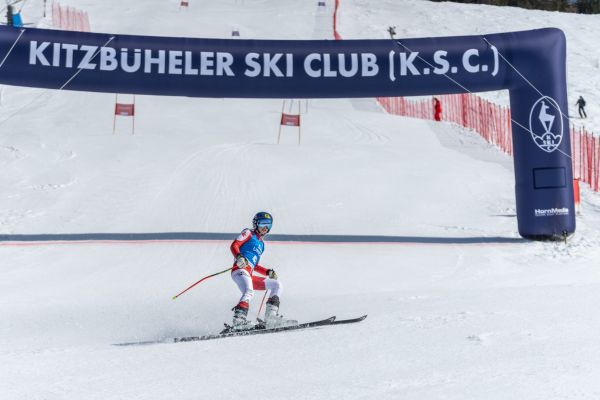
581,104
392,31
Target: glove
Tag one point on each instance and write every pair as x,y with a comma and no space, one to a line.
271,274
240,261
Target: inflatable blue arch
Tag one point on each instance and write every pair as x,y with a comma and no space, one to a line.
530,64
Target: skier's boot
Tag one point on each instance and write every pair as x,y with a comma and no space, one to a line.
240,312
272,319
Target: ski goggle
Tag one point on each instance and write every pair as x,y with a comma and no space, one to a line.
264,223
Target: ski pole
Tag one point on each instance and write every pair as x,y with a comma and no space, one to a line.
261,304
206,277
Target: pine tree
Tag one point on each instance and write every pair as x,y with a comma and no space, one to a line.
580,6
588,6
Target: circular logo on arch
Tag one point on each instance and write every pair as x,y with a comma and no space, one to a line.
546,124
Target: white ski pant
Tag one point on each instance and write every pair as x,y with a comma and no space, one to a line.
247,284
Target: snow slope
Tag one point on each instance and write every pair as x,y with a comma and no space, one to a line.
419,18
459,306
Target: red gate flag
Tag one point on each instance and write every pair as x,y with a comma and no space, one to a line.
290,120
126,110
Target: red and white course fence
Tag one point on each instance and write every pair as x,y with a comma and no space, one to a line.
468,110
69,19
493,123
585,150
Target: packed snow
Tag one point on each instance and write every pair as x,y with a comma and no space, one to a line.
459,305
420,18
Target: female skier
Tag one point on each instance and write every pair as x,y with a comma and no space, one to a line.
247,249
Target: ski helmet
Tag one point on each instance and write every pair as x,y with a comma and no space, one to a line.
262,219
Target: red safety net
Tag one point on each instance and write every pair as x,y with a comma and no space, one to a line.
69,19
585,150
493,123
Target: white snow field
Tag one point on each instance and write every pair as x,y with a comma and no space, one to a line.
420,18
459,306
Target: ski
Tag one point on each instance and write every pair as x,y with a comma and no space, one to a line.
258,330
142,343
348,321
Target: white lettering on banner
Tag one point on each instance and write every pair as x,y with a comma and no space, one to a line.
369,64
173,62
189,69
256,64
56,55
327,71
159,60
253,64
318,65
466,60
137,60
89,53
313,73
224,63
348,73
413,64
108,59
206,63
70,49
36,53
443,66
550,212
270,64
406,64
